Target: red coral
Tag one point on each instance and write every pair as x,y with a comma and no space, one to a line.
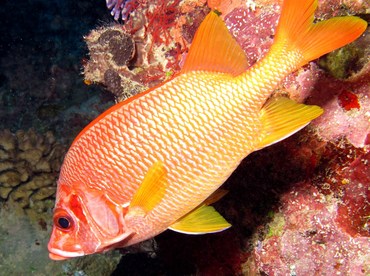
353,214
348,100
161,19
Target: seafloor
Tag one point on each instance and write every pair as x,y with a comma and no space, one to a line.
299,207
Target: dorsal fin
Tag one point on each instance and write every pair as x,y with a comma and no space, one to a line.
214,49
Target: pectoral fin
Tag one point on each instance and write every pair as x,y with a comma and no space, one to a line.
282,117
204,219
152,189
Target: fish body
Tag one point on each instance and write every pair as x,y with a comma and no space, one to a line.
149,163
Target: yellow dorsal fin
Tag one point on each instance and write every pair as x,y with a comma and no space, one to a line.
297,31
202,220
152,189
282,117
214,49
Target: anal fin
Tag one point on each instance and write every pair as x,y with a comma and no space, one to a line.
282,117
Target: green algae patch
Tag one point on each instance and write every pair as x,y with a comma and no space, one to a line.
344,62
276,226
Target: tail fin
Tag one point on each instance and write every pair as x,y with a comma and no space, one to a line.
297,31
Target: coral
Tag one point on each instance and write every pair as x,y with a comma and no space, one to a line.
29,166
253,30
346,104
354,212
117,8
348,100
225,7
312,242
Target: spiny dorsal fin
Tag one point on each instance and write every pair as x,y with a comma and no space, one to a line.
214,49
152,189
202,220
282,117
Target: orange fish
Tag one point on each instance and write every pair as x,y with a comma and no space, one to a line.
149,163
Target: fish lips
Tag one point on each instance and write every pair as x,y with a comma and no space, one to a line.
60,255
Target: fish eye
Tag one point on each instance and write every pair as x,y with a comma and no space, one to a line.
63,222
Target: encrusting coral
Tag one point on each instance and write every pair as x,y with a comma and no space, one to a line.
29,165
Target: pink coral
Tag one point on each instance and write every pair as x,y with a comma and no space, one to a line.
253,30
312,243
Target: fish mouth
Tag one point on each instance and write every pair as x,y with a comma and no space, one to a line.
59,255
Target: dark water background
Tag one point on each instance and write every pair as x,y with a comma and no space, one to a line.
41,55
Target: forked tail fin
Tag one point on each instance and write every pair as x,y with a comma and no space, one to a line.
296,30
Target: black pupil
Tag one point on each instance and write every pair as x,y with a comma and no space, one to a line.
64,223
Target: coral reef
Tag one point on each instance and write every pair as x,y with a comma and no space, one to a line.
321,225
29,167
311,241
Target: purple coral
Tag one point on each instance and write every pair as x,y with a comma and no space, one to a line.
121,8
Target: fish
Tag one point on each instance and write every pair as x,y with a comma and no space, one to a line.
156,161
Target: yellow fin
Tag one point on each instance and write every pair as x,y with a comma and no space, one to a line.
152,189
202,220
297,32
214,49
282,117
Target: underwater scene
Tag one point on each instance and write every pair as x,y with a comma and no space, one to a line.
185,137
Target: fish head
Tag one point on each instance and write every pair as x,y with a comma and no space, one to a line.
84,223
